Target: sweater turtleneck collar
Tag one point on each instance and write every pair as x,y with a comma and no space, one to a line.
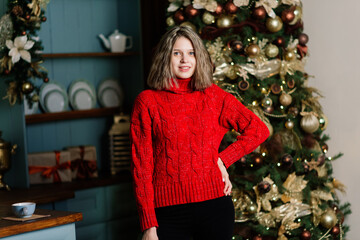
184,86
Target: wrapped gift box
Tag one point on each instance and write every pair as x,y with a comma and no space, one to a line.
83,162
49,167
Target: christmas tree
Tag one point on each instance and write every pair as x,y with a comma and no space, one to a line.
285,188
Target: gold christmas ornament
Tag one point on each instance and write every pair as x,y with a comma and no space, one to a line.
266,102
170,21
274,24
328,219
35,98
289,124
309,123
290,55
323,120
189,24
27,87
231,73
253,50
285,99
208,18
271,50
298,15
251,208
224,21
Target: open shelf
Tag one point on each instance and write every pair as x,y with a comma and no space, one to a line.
69,115
88,54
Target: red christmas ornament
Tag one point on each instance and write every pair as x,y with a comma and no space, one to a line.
259,13
287,160
269,109
191,11
291,83
280,41
43,19
305,235
287,15
6,71
303,39
264,187
243,161
321,160
27,17
258,237
46,80
335,231
23,33
231,8
236,45
218,9
179,16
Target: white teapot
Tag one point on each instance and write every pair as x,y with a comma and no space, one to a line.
116,41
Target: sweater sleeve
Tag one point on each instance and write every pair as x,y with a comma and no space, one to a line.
142,165
235,115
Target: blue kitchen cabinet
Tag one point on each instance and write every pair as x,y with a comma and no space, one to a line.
110,212
63,232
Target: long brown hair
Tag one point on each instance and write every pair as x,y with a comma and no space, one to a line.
160,72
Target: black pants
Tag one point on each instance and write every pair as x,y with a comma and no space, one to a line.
207,220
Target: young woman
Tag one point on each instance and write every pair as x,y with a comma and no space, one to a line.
181,183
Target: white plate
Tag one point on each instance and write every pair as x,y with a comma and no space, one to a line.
82,99
30,110
55,101
81,84
45,89
110,93
110,98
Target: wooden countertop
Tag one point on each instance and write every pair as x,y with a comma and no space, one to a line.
57,218
48,193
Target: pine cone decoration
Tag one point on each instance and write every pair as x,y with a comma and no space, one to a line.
17,10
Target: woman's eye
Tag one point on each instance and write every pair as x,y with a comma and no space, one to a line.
176,53
192,53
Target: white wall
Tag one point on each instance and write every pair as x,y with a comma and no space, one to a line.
334,32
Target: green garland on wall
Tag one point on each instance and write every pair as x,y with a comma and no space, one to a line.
20,48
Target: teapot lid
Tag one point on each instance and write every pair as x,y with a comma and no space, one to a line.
117,33
3,144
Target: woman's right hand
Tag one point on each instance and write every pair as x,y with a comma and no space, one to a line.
150,234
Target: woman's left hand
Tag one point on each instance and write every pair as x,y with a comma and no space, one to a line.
225,178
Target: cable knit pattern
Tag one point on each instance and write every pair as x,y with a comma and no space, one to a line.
175,137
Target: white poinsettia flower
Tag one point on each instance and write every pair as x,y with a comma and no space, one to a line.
19,48
241,3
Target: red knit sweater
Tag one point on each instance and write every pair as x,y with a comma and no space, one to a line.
175,137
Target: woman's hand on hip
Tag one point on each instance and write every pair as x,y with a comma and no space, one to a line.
150,234
225,178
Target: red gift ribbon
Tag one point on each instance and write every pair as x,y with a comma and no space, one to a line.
48,171
85,168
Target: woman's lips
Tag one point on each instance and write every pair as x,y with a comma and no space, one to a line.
184,68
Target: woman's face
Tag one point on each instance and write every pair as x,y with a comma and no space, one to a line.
183,60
